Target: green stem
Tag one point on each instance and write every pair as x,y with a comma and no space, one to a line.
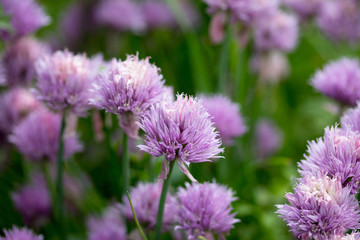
59,180
164,191
125,163
224,58
136,219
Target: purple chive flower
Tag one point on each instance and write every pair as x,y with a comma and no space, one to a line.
217,5
181,131
226,117
33,201
278,31
109,226
122,15
350,236
64,81
157,14
15,105
320,208
351,119
26,15
128,88
339,80
37,137
20,234
268,138
340,20
18,60
205,209
337,154
251,11
145,198
305,8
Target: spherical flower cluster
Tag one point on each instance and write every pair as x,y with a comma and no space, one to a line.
145,199
15,105
337,154
320,208
33,201
205,208
122,15
128,88
109,226
226,117
64,81
339,80
26,15
340,20
278,31
20,234
268,138
19,58
305,8
37,137
181,131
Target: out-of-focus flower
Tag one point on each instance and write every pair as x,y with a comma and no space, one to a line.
268,138
26,15
20,234
128,88
15,105
339,80
205,209
123,15
18,60
271,66
217,27
157,14
305,8
340,20
279,31
217,5
64,81
145,199
337,154
181,131
351,119
33,201
37,137
109,226
226,117
320,208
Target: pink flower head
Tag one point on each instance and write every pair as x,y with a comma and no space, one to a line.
20,234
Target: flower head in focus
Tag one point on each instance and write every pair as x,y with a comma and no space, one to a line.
182,131
320,208
339,80
205,209
20,234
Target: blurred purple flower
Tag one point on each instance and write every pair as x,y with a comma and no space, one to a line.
109,226
20,234
268,138
145,198
18,60
217,27
226,117
157,14
336,154
181,131
279,31
205,208
217,5
340,20
305,8
37,137
320,208
339,80
64,81
26,15
122,15
128,88
33,201
351,119
15,105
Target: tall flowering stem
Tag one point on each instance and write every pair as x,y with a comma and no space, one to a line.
136,219
125,163
162,203
59,180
